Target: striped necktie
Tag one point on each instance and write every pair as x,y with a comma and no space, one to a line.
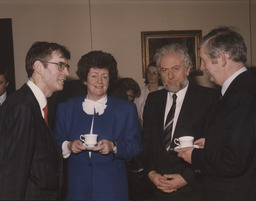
169,123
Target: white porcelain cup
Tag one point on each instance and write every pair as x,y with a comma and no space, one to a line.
184,141
89,139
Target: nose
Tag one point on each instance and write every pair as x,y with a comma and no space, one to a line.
99,80
170,73
65,71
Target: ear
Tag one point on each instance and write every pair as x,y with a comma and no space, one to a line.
7,83
222,59
188,70
38,67
85,82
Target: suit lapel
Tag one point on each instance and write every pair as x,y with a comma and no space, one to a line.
162,98
186,111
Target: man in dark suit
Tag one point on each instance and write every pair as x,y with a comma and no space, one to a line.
30,160
227,159
173,179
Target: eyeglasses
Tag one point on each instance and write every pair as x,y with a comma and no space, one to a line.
61,65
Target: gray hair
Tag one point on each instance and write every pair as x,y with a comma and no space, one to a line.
225,39
171,49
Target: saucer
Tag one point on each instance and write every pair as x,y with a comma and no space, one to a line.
89,146
178,147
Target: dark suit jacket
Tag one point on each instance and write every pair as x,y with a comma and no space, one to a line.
228,160
30,160
190,121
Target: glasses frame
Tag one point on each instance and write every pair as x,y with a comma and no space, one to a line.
61,65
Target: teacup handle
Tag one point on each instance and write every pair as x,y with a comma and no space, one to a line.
82,138
176,141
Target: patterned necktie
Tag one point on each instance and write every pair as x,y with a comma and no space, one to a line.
46,114
169,123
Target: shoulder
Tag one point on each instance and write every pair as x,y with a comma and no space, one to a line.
72,102
246,78
21,102
158,93
202,89
119,103
23,96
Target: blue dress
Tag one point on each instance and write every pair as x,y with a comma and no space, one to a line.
101,177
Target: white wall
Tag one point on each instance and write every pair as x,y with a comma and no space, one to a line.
65,22
116,26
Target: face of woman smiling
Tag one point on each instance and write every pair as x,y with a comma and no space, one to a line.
97,83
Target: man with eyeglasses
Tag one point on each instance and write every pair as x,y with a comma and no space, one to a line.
30,160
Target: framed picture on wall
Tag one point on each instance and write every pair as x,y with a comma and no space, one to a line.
151,41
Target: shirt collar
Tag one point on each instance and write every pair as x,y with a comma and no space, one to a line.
2,98
230,79
40,97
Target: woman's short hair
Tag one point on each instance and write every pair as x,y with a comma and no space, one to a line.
128,83
97,59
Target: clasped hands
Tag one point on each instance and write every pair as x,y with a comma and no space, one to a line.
186,153
167,183
103,146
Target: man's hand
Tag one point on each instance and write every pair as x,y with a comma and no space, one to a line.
175,181
161,182
200,142
185,153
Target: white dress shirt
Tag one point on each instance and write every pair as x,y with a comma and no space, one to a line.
179,101
40,97
3,97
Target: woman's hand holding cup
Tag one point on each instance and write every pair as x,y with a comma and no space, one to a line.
104,147
75,147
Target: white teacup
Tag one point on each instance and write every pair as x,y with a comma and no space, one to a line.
184,141
89,139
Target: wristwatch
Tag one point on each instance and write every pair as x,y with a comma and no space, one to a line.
114,148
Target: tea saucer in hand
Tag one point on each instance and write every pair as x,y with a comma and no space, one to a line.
178,147
89,146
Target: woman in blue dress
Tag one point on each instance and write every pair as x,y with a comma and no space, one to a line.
97,173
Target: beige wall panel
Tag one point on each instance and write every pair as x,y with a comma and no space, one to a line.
116,25
253,32
66,23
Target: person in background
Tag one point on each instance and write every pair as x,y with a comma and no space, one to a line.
125,88
186,104
30,159
4,82
227,158
100,173
153,83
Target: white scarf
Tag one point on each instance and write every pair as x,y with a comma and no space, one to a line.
90,107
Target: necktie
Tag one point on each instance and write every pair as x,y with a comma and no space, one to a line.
169,123
46,114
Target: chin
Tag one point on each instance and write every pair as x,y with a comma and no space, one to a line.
59,88
172,89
